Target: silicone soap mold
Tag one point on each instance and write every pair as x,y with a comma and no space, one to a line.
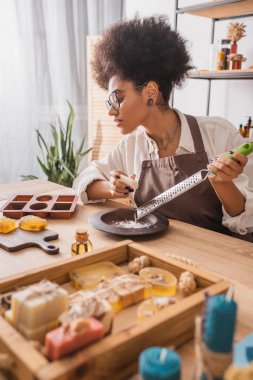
54,206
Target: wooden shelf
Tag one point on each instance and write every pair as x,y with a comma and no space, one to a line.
222,74
220,9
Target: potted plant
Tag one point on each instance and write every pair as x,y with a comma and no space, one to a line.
59,161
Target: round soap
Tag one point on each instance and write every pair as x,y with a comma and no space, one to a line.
7,225
32,223
159,363
163,282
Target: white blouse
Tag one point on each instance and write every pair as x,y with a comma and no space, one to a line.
218,135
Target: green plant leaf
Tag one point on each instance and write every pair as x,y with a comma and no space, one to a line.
56,138
40,140
28,177
43,167
60,161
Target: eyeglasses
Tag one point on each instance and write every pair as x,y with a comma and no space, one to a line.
113,100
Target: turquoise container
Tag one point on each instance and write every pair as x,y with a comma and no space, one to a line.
159,363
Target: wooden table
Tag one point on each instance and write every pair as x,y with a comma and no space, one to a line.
225,256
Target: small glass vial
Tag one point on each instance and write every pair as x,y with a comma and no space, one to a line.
82,244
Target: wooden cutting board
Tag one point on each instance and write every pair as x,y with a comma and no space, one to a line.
19,239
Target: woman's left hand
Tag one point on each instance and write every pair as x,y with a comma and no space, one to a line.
227,169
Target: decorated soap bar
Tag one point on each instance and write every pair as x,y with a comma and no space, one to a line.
84,304
124,291
32,223
90,276
163,282
37,306
7,225
69,338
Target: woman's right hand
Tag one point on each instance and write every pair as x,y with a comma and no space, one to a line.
119,189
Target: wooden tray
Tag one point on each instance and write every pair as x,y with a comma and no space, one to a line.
115,356
54,206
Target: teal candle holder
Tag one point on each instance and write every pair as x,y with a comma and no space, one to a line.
159,363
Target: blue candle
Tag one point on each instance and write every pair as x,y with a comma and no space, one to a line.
159,363
219,325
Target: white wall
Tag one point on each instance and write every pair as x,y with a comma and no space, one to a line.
232,99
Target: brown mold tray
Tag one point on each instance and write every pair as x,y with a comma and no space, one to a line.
54,206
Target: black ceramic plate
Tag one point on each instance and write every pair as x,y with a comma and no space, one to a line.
107,221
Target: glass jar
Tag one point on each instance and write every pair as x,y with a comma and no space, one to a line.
81,244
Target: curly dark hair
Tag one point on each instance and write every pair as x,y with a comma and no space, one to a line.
140,50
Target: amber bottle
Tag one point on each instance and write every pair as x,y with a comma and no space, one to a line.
247,128
82,244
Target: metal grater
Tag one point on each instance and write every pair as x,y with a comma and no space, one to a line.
171,193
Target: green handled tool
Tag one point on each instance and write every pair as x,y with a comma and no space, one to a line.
185,185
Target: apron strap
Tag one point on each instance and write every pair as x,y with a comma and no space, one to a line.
196,135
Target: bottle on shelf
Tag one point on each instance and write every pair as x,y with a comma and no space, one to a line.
247,128
225,47
82,244
233,47
241,130
220,58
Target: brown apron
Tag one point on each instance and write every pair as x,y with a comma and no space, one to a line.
199,206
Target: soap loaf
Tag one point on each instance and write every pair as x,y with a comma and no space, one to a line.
37,306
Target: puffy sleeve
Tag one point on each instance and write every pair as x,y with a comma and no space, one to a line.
98,170
242,223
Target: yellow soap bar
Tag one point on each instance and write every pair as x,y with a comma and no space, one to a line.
90,276
32,223
7,225
123,291
38,304
163,282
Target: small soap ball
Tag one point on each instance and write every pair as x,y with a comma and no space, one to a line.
187,283
158,363
7,225
32,223
138,263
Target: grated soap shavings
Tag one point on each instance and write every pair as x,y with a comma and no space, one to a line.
131,224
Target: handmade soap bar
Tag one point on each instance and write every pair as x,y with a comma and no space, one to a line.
152,306
163,282
90,276
38,304
36,333
7,225
84,304
123,291
69,338
32,223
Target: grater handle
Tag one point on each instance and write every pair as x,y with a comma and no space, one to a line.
244,149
